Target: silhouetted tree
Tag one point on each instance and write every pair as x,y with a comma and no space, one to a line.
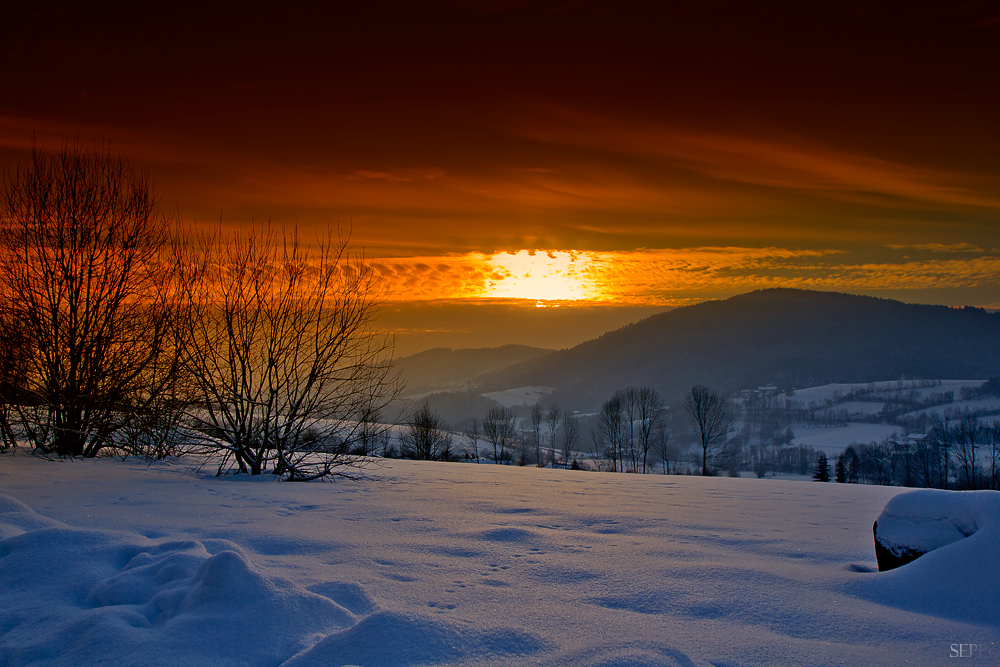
612,431
570,433
992,445
877,462
472,433
425,437
664,447
841,470
500,429
822,472
968,435
553,417
536,431
710,420
282,350
648,413
852,464
86,286
14,363
373,432
942,438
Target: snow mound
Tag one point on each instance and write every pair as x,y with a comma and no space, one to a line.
76,596
916,523
958,533
390,639
19,518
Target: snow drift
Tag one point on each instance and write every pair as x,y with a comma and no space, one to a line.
77,596
949,542
72,595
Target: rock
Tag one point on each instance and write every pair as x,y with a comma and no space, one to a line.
915,523
891,556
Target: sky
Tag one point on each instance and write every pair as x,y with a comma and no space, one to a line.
542,172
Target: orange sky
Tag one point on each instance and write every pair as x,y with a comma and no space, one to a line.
611,158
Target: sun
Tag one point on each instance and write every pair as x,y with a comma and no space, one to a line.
542,276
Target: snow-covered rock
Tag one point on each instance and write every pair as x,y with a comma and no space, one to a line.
956,536
913,524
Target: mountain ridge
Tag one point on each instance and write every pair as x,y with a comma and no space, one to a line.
789,337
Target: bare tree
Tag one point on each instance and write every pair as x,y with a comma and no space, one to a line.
927,462
649,410
630,414
282,350
710,420
425,437
570,434
85,283
991,443
942,438
500,429
536,431
612,431
968,438
14,365
877,462
553,417
472,433
664,447
372,431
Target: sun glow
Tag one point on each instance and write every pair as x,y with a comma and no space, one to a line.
542,277
673,276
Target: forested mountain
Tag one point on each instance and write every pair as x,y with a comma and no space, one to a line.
442,368
791,338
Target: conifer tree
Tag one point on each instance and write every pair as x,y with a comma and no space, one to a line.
841,470
822,472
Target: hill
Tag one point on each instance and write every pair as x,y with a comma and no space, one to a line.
790,338
442,369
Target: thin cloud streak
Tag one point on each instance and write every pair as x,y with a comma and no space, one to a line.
794,164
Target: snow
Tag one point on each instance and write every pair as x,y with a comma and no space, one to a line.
823,393
954,410
510,398
835,439
927,519
959,533
461,564
854,408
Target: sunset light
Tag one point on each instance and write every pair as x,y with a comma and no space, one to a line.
611,177
629,332
543,276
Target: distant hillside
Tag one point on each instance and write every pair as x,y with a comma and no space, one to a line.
441,368
791,338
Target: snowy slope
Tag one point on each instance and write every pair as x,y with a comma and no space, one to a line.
833,440
519,396
457,564
828,392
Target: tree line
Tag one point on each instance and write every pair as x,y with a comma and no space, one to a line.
963,455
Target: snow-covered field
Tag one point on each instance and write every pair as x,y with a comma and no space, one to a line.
954,410
833,440
827,392
460,564
519,395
